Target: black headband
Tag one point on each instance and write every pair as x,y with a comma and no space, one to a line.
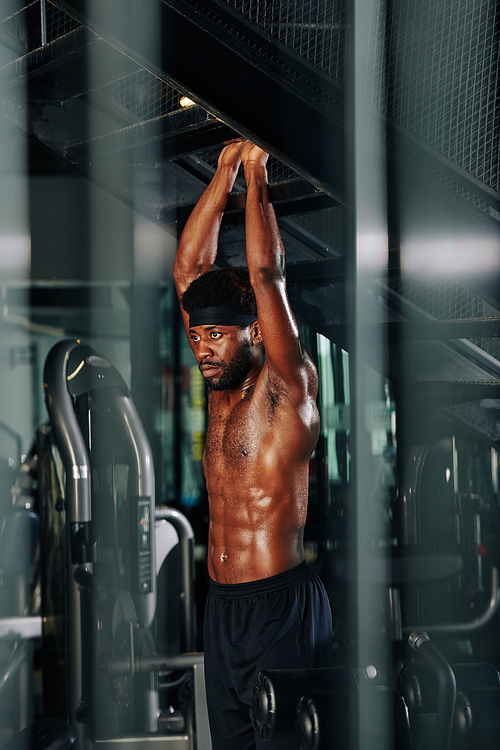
220,315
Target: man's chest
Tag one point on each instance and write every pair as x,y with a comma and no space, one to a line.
234,435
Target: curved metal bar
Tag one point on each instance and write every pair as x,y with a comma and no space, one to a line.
143,468
74,455
447,687
186,540
156,663
67,433
178,521
99,377
478,622
143,491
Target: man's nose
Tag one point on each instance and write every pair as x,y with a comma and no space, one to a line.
204,349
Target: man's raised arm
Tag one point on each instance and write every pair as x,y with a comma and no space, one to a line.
266,264
197,247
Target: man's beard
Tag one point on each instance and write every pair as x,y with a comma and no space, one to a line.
233,373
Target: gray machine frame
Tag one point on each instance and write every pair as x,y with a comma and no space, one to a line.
71,369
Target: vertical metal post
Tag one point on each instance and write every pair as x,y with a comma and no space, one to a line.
367,263
186,541
78,514
177,382
75,665
43,23
203,739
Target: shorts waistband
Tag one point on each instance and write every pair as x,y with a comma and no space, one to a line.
288,578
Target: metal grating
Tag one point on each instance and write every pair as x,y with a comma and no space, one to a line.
432,168
442,78
441,63
279,14
279,172
14,24
314,29
446,299
143,94
58,23
328,225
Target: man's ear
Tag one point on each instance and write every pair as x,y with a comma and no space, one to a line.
255,333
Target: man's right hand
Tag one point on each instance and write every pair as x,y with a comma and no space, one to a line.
230,156
252,154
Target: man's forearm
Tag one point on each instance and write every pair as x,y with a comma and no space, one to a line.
197,248
265,253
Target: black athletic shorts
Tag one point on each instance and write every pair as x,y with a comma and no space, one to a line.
282,622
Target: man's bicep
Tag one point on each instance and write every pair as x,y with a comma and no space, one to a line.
181,284
284,350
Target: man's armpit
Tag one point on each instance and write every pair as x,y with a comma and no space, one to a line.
276,393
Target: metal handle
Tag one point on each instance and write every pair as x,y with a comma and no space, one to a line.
468,627
67,433
186,536
447,687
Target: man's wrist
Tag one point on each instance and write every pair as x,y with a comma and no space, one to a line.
228,171
255,172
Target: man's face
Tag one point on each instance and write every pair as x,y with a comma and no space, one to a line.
224,354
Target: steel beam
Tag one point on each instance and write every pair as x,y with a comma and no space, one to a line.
44,59
220,72
446,392
163,128
431,330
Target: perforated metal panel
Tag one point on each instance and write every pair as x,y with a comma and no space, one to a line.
14,25
58,23
442,79
144,95
314,29
327,225
442,66
446,299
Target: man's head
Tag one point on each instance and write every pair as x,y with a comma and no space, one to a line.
225,288
223,326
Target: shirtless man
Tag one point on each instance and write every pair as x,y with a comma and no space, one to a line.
265,608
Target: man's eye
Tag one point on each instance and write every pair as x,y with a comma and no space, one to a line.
215,334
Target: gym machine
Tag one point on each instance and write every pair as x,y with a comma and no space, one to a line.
430,700
451,706
20,623
320,709
436,705
103,543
